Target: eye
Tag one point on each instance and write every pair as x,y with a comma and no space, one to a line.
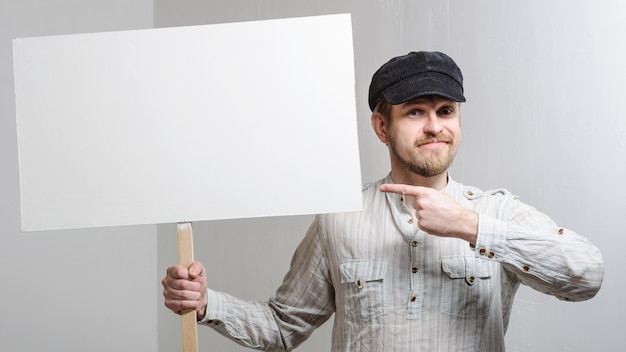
414,112
446,110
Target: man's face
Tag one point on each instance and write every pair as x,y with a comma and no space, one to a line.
424,135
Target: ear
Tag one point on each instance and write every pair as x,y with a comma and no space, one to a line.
380,127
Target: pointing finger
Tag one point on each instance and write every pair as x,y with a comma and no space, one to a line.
415,191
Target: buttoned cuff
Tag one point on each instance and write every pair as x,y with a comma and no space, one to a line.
491,237
215,309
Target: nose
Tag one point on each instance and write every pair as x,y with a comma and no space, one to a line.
433,125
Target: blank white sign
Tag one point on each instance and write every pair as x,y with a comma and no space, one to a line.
185,124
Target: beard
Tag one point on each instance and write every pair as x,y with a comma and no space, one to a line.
434,164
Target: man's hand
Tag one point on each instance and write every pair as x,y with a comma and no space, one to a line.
438,213
185,289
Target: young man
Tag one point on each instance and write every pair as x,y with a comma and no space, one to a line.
428,264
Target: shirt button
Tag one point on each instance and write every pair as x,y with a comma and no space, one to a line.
414,270
471,279
526,268
561,231
412,298
491,254
410,220
359,283
470,193
482,250
414,244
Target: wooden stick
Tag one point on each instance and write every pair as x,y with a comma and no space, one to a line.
185,258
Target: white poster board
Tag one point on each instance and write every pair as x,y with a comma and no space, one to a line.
185,124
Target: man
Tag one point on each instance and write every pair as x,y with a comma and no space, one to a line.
428,264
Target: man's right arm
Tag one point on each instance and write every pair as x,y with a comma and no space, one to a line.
303,302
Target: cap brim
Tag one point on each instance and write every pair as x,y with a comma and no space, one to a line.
431,83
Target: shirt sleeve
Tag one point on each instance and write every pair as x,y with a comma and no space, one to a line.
303,302
538,253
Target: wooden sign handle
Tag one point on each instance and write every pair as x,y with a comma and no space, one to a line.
185,258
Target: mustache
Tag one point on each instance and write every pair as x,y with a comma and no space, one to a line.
432,139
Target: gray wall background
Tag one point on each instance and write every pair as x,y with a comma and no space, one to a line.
544,118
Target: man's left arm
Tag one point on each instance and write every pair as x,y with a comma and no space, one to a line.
540,254
530,246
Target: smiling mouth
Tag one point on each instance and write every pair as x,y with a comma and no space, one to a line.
435,142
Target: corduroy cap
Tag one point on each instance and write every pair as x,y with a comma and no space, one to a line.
416,74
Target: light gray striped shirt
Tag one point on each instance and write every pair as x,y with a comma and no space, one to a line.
393,287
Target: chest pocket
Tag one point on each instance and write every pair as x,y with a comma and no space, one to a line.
467,288
363,283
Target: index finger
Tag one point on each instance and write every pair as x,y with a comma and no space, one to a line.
415,191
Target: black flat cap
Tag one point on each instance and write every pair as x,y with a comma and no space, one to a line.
416,74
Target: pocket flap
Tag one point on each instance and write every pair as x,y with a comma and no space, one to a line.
363,269
461,267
